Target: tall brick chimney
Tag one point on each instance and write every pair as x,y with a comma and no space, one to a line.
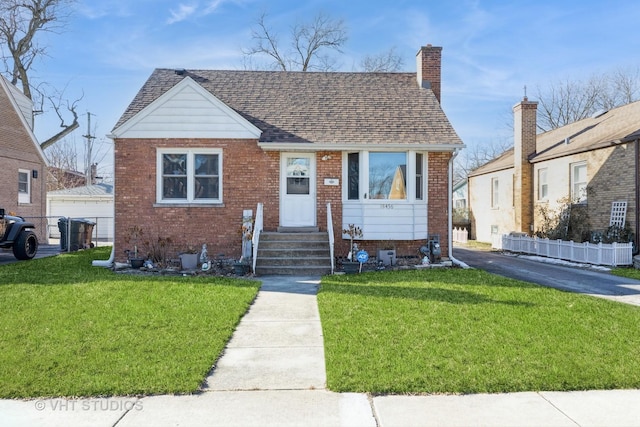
428,65
524,145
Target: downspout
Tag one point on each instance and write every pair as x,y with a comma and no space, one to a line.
110,262
450,213
637,195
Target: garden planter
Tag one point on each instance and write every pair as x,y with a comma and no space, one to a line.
240,269
136,262
351,267
189,261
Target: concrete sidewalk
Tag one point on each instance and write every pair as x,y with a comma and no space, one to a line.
272,374
278,344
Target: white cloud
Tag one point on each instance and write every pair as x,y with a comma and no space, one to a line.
213,6
183,12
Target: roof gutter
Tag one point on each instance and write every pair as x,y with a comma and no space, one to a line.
310,146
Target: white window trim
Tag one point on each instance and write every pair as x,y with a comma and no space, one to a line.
541,197
190,152
578,198
495,193
24,198
364,177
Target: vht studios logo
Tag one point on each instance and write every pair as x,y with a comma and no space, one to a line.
88,405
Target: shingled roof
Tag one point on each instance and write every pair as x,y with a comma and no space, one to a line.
502,162
326,108
619,125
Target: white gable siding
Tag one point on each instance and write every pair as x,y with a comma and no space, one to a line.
23,103
187,111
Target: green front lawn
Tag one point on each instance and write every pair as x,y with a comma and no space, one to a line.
467,331
629,272
70,329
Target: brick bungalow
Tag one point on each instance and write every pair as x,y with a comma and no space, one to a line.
195,148
593,162
22,161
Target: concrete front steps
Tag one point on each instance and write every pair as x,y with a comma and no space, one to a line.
297,251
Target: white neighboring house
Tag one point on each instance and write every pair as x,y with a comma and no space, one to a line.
93,203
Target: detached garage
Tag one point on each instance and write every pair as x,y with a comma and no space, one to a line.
93,202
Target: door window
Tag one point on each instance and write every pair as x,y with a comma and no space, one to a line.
298,176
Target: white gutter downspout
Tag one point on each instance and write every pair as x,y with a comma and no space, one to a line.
450,215
109,263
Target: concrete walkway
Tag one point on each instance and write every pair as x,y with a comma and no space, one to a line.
272,374
278,344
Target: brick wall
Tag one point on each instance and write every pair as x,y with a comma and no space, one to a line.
438,197
429,68
331,167
610,175
18,151
524,125
250,176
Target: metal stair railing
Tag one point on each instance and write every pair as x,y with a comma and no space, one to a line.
257,229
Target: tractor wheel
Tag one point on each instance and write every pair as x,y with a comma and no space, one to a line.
26,246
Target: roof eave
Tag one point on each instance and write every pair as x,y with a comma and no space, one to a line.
579,150
489,170
306,146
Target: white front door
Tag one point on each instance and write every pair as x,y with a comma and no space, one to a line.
298,190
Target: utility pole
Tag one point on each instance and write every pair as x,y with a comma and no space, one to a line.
88,151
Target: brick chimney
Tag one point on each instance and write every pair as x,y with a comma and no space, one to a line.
428,65
524,145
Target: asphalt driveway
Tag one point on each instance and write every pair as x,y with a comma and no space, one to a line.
595,282
6,255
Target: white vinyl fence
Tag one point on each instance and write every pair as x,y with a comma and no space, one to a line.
460,235
613,254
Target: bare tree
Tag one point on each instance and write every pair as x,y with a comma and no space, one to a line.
20,23
477,155
564,102
568,101
63,161
624,86
59,103
387,61
306,47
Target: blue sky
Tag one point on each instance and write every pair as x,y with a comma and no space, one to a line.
491,49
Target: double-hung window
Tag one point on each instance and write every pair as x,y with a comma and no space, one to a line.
24,187
189,176
495,193
543,187
579,182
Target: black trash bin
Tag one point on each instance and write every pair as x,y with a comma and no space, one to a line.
62,227
76,233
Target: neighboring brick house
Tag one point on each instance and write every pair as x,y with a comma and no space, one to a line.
593,162
197,147
22,161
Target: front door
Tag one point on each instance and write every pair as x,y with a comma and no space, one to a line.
298,190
